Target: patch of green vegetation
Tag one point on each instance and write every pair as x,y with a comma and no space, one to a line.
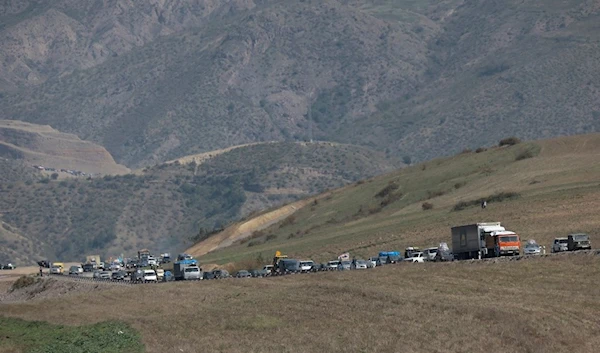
42,337
498,197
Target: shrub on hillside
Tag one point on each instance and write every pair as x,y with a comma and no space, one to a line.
432,194
509,141
480,149
498,197
524,155
391,198
24,281
254,243
288,221
427,206
271,237
387,190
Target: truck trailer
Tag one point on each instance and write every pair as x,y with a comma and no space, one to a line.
485,240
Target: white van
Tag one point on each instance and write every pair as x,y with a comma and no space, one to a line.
150,276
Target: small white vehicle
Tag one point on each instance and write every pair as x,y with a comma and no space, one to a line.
359,265
417,257
333,265
115,267
152,261
532,248
430,253
150,276
56,270
560,244
306,266
268,269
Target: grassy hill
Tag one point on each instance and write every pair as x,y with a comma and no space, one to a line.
165,206
154,82
451,308
540,189
42,145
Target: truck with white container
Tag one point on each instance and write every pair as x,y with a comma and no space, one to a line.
187,270
483,240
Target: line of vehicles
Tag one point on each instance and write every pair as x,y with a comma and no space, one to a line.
473,241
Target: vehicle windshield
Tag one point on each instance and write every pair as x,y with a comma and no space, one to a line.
333,262
563,241
306,263
508,239
149,273
361,262
580,237
432,251
535,246
345,263
192,270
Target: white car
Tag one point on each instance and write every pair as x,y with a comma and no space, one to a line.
115,267
268,269
56,270
372,262
150,276
430,253
306,266
333,265
560,244
152,261
417,257
532,248
359,265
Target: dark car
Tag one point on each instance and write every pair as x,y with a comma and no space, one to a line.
219,274
208,275
258,273
44,264
119,275
578,241
88,268
288,266
243,274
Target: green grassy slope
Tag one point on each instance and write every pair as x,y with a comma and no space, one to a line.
556,189
164,206
19,335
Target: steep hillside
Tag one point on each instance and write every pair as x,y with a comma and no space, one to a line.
15,170
249,76
158,80
539,189
42,145
522,68
165,206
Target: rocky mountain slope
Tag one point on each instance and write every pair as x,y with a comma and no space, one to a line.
163,79
168,206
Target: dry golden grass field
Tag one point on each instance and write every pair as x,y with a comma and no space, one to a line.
557,182
545,304
534,305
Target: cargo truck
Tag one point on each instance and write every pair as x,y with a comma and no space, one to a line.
485,240
187,270
94,260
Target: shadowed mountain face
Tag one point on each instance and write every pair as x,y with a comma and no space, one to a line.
157,80
166,206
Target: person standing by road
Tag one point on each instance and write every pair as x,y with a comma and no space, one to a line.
41,272
483,204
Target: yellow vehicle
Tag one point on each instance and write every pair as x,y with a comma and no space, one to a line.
278,256
57,268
